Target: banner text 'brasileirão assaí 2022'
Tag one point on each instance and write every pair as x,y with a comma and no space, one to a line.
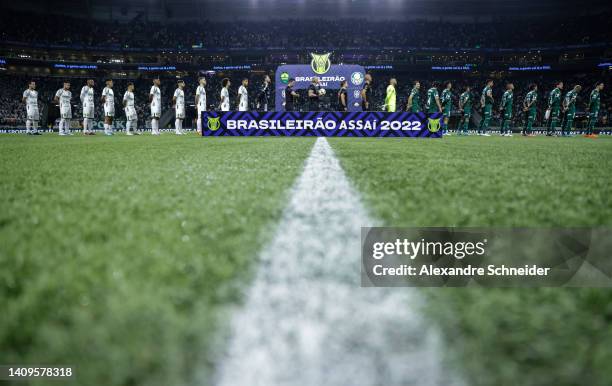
321,124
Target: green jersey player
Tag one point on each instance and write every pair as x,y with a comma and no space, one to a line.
530,105
486,102
569,106
447,105
433,100
506,109
465,105
554,105
414,100
593,109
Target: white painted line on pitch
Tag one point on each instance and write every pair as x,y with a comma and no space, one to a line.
306,320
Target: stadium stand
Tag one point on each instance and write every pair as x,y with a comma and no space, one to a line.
298,33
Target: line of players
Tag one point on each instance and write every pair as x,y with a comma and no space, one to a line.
557,105
435,103
63,98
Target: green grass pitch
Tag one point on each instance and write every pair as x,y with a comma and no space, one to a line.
124,256
545,336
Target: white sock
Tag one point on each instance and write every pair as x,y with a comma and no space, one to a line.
128,126
85,125
199,124
29,125
35,124
154,126
67,126
106,127
181,125
61,125
177,124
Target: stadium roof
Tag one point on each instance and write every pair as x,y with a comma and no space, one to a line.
296,9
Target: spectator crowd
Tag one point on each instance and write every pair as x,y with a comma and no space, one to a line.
526,32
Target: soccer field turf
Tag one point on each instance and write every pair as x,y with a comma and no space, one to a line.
124,256
542,336
120,254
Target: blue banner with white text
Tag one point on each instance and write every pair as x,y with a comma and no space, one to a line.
321,124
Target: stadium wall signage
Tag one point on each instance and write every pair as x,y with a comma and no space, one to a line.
321,124
467,67
530,68
156,68
76,66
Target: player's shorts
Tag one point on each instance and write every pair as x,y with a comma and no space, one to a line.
487,110
201,109
224,108
130,114
109,112
155,112
32,112
66,112
88,111
467,113
180,112
242,107
507,114
554,112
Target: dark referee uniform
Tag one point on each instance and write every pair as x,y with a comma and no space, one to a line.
289,99
263,97
368,93
341,106
313,101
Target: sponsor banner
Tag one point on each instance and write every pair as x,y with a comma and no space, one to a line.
486,257
321,124
76,124
118,124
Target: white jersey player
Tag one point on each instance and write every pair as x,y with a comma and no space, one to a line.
225,101
87,101
108,98
30,98
130,111
179,107
63,97
200,100
155,99
243,96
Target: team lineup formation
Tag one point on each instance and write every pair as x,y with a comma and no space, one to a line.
559,102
